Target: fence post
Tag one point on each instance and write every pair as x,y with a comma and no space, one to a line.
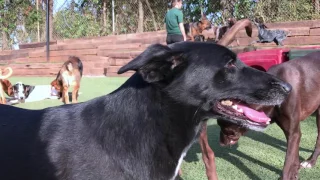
47,30
113,25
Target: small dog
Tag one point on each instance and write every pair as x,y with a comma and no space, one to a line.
265,35
5,85
70,74
195,29
27,93
21,91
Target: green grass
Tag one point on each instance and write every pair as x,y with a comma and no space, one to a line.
256,156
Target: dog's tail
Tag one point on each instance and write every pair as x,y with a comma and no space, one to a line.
80,66
79,63
229,36
8,74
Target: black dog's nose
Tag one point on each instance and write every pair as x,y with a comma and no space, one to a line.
21,98
286,87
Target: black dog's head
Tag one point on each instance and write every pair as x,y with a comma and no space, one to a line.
210,78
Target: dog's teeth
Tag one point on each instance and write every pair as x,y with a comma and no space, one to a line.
240,110
235,107
226,103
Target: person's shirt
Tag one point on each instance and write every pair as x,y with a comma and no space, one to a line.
173,17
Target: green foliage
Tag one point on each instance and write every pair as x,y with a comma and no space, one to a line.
286,10
68,24
20,19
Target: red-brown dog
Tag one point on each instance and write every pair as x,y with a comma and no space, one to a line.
5,85
221,31
304,99
70,74
208,155
195,29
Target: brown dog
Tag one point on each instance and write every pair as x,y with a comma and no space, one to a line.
70,74
5,85
208,155
195,29
221,31
218,32
304,99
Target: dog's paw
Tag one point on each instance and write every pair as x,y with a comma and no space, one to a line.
306,164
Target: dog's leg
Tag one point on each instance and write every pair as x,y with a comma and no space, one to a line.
2,98
65,95
75,92
207,154
280,43
291,129
313,158
254,42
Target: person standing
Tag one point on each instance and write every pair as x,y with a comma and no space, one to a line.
174,23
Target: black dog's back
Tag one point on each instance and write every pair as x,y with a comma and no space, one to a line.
19,132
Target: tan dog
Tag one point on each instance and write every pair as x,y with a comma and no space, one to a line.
195,29
5,84
70,74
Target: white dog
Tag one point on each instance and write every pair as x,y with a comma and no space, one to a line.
27,93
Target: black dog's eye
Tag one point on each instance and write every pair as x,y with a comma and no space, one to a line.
231,64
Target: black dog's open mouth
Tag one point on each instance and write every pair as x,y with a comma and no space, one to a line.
239,111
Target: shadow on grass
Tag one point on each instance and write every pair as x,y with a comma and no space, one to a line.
230,154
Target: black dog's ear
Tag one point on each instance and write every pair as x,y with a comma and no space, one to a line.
155,63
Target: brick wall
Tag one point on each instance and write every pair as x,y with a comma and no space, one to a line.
103,56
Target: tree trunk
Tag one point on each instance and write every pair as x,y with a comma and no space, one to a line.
141,14
38,24
51,19
105,17
4,40
201,8
316,5
155,26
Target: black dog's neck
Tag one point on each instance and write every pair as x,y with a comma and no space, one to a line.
159,127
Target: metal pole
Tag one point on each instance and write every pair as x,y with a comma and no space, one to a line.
113,18
38,24
47,30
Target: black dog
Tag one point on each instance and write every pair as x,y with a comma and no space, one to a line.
265,35
143,129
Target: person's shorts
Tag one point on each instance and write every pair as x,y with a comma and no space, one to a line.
173,38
